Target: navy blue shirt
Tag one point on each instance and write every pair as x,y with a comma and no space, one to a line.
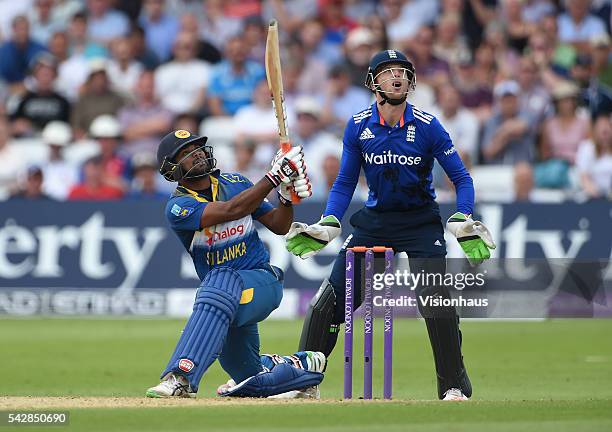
15,61
397,162
232,244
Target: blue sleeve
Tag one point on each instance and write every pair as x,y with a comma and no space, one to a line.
446,154
184,213
348,176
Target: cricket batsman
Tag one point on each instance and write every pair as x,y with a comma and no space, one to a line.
213,214
395,144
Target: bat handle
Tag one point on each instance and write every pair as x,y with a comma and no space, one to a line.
285,147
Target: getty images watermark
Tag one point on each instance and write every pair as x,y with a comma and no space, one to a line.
438,282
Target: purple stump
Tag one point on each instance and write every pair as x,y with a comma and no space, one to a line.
348,324
388,331
368,327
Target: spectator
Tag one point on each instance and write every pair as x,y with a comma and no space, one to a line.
317,143
42,104
140,50
17,53
256,122
59,174
233,80
206,51
342,99
358,50
93,187
160,28
476,15
72,73
430,69
534,97
123,70
254,37
42,22
290,13
145,174
377,25
336,26
106,131
509,134
600,53
450,45
594,96
181,84
594,161
563,132
97,99
404,18
307,71
12,159
217,28
81,42
186,122
535,10
245,161
330,168
63,10
145,121
577,25
104,22
523,182
517,29
461,124
58,46
32,188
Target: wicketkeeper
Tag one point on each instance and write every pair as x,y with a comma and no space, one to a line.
395,144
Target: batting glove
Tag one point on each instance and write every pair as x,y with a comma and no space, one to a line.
286,166
306,240
473,237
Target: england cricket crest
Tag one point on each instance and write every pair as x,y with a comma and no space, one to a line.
410,133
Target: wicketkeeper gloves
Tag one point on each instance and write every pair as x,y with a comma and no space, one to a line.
473,237
306,240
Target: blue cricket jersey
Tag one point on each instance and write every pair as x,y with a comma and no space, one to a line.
232,244
397,162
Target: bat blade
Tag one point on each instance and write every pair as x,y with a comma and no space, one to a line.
275,84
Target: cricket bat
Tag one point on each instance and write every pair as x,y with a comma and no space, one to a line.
275,84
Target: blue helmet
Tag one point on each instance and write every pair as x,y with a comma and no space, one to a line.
386,57
171,145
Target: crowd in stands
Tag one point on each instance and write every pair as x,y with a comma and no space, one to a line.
88,88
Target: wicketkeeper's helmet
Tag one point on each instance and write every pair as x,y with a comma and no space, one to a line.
171,145
384,58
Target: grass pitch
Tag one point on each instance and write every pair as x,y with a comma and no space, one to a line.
551,375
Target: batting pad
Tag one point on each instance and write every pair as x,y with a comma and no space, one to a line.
283,378
202,338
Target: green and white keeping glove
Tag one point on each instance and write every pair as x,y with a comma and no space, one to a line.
473,237
306,240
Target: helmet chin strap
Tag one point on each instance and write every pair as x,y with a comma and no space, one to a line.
389,100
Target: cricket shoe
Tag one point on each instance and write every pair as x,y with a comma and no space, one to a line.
172,386
454,394
316,362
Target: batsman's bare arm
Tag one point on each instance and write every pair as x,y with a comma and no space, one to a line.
243,204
